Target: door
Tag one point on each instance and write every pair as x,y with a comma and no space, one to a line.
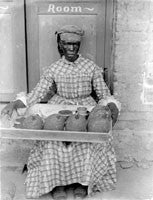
45,17
12,49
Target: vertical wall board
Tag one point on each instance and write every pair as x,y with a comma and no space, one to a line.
12,49
109,44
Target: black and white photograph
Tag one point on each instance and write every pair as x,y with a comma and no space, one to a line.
76,99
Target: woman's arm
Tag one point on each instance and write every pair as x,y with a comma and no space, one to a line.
26,100
103,93
40,91
99,84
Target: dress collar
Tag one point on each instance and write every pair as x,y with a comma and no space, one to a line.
75,62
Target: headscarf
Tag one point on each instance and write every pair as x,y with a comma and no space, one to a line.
70,33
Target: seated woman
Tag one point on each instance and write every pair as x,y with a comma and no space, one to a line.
52,165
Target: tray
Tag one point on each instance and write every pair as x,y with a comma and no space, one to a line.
9,132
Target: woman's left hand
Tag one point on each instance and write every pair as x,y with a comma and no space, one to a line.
114,112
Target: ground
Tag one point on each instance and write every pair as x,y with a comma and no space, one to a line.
134,183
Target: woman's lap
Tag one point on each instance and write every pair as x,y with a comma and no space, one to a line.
52,164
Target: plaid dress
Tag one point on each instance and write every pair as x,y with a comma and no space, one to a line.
51,163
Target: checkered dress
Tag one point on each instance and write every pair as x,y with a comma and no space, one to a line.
51,163
74,83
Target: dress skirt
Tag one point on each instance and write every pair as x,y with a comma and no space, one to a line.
52,164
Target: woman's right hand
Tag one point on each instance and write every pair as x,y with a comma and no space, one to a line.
9,108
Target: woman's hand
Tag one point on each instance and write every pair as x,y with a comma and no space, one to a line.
114,112
9,108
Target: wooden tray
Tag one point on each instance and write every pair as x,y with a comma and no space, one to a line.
45,110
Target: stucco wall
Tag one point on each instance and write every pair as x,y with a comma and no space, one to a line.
133,47
133,75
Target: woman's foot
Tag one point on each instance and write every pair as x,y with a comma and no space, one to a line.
80,192
59,193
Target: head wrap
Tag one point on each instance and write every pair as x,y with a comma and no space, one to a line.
70,33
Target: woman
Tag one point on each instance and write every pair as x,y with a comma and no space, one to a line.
53,165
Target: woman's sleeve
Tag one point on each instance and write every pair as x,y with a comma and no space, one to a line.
99,84
102,90
39,92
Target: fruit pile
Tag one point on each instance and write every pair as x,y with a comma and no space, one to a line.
98,120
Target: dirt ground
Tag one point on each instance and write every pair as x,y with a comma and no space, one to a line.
135,183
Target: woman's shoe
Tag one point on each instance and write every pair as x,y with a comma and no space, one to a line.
80,192
59,193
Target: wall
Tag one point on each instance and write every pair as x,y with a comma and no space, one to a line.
133,79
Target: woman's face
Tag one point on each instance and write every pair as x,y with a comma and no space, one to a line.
70,50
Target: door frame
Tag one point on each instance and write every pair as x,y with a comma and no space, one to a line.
108,45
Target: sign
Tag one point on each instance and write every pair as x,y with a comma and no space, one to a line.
68,8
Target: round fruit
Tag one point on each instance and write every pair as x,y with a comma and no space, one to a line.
100,111
54,122
32,122
99,125
99,119
76,123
